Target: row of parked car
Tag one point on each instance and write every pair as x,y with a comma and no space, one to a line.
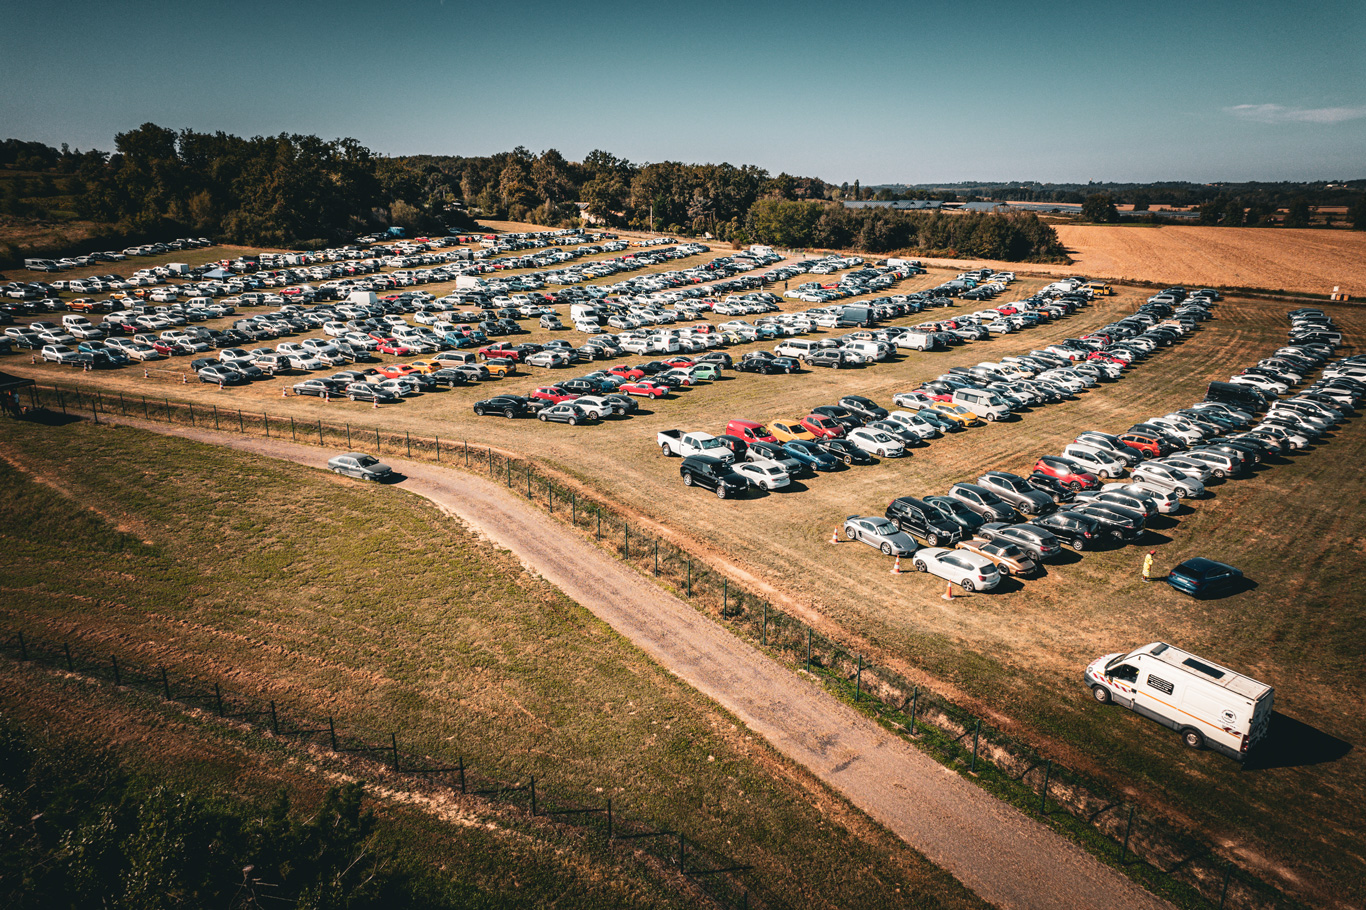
1012,524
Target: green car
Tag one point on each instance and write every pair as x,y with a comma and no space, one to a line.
708,372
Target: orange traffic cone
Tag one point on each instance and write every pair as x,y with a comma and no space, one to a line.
835,537
896,567
948,591
284,391
325,399
374,404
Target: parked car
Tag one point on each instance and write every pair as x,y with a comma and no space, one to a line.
1067,472
970,571
954,511
924,520
877,442
1040,543
845,451
1078,530
564,412
712,474
1008,557
360,466
880,533
1200,576
509,406
984,502
1017,491
763,473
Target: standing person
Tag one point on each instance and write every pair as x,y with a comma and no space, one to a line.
1148,565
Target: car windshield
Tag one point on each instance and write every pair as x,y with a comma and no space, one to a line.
883,527
366,461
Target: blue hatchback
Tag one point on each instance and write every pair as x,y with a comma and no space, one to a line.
1200,576
808,453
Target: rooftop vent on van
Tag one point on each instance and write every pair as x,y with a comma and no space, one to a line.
1204,668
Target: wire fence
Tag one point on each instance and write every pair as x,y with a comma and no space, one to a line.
1183,867
716,878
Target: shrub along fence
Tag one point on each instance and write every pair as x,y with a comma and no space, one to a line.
716,877
1180,866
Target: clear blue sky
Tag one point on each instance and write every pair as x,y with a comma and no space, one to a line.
1201,90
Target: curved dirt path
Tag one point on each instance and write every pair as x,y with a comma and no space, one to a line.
997,851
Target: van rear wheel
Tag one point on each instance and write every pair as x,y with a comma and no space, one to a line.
1192,738
1101,694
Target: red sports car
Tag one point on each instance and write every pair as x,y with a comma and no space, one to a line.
644,388
1067,473
553,394
392,346
395,370
627,372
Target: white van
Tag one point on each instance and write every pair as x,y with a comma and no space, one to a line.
795,347
1211,706
870,351
986,405
916,341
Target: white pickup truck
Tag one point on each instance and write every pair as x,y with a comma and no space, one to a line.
676,442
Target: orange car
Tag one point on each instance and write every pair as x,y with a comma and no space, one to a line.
426,366
786,432
394,370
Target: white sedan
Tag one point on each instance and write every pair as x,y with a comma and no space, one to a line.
876,442
763,474
968,570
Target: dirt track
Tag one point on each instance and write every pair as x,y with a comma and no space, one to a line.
1001,854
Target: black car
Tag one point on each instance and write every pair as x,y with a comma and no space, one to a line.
760,366
845,451
449,377
1078,529
954,511
1119,522
625,404
1037,541
1200,576
842,416
320,387
864,408
925,520
737,446
1050,485
712,474
509,406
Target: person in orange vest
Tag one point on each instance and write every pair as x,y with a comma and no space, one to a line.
1148,565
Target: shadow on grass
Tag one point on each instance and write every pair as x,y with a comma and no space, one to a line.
49,418
1292,743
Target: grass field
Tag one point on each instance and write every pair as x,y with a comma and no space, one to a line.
1296,528
364,603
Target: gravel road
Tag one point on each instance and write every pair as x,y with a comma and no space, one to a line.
1002,854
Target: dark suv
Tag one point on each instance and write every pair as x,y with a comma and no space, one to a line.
924,521
712,474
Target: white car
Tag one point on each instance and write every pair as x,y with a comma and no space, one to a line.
966,569
596,407
1166,501
548,359
1094,460
876,442
763,474
914,423
1167,477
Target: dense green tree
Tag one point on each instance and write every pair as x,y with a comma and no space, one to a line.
1297,213
1099,208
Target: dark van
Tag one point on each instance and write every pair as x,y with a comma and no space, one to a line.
856,316
1240,396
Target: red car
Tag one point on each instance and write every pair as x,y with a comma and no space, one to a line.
1066,473
499,350
553,394
164,348
822,427
391,346
750,431
1151,446
936,396
627,372
395,370
680,362
644,388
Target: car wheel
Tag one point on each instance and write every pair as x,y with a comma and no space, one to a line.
721,492
851,533
1192,738
352,397
848,459
1004,570
509,413
1220,473
1074,486
687,480
666,450
886,549
478,412
932,539
1101,694
1079,543
543,417
920,566
573,421
967,585
991,418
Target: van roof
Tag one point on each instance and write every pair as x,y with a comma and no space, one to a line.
1221,676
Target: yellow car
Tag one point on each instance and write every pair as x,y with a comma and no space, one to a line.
426,366
1099,288
786,432
500,366
956,413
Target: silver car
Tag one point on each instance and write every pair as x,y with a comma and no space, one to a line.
877,531
360,466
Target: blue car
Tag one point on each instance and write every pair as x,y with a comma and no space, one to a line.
812,455
1199,576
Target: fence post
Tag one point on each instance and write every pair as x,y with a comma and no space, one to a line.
656,559
573,508
145,415
66,649
23,648
438,450
377,440
915,703
218,698
599,524
550,497
528,481
462,773
168,409
320,431
509,473
858,680
808,649
1129,826
118,679
215,417
407,440
393,746
61,399
265,419
765,626
1223,893
94,412
122,406
975,734
348,437
292,436
725,597
467,453
533,796
191,406
609,818
274,719
690,576
332,733
165,685
241,425
1043,793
